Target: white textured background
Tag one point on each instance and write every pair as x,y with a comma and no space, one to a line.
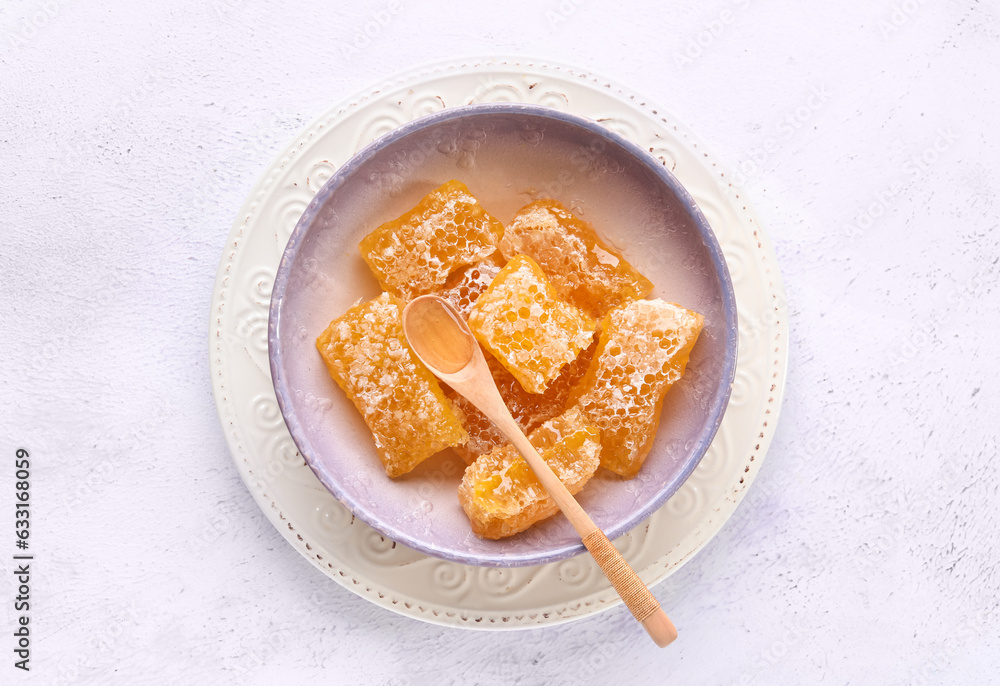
866,134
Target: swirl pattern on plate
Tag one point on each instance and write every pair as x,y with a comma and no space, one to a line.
400,579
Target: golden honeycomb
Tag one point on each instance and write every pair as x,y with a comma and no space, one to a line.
415,254
642,350
464,287
367,355
555,399
524,324
483,434
528,409
585,270
501,494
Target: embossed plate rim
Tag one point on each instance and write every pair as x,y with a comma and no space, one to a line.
413,602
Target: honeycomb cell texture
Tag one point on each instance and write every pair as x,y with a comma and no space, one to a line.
464,287
415,254
524,324
501,494
367,355
528,409
585,270
642,351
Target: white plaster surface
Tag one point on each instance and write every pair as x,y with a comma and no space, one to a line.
866,133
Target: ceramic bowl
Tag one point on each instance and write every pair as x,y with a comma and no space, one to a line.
508,155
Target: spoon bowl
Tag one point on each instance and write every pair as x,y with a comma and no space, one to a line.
438,335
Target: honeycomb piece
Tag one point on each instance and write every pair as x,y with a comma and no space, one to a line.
484,436
528,409
555,399
464,287
585,270
501,494
527,327
642,351
414,254
400,400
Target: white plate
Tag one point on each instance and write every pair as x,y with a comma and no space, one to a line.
355,555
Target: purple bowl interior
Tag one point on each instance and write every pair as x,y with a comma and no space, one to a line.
508,155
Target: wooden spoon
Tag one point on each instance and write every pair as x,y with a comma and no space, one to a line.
444,343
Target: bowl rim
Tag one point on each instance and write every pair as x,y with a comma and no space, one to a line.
717,405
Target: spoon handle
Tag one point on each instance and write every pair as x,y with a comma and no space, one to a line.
639,600
637,597
439,336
